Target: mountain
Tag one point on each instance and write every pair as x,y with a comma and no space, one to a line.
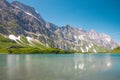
18,20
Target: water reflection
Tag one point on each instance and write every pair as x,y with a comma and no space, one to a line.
12,60
92,63
60,67
12,66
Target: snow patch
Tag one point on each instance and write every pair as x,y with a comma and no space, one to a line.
94,51
82,50
108,39
12,37
90,46
81,37
31,15
75,37
27,12
87,49
29,39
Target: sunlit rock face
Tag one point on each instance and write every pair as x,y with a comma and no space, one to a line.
78,39
25,20
103,40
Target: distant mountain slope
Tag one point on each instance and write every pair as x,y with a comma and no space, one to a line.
18,19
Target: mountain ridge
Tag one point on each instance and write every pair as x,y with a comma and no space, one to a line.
21,19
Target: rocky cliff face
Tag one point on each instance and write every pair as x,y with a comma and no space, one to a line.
19,19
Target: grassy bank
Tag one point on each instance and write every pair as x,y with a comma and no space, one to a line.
31,50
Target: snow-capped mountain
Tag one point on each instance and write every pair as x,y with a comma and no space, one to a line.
19,19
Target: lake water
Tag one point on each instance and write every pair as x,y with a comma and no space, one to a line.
60,67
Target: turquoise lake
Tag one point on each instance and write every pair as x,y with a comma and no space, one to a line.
60,67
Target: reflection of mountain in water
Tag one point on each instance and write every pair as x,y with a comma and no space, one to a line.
60,67
92,63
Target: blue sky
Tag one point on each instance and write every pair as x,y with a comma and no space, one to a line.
101,15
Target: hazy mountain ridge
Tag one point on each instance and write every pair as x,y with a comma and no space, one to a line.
19,19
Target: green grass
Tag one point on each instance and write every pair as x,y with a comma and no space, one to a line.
116,50
32,50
